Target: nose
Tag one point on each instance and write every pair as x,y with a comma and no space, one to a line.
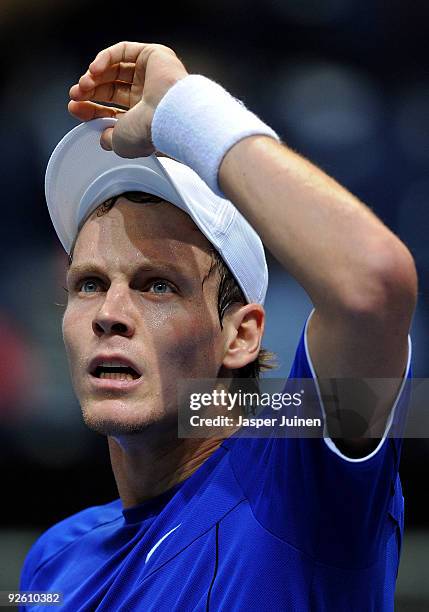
114,317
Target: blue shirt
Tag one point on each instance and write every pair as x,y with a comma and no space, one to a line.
264,524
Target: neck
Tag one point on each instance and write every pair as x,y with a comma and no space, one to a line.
145,469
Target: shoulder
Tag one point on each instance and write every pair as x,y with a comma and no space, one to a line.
62,534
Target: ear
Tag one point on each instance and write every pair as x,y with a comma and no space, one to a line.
243,327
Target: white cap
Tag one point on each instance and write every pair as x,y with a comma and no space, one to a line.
81,175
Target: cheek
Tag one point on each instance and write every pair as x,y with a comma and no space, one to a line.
193,343
70,326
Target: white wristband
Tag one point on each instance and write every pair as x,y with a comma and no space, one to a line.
198,121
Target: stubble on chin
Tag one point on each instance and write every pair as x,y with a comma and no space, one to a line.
116,426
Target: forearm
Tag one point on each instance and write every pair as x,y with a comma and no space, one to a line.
333,245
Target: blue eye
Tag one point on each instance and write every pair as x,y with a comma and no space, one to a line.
161,286
89,286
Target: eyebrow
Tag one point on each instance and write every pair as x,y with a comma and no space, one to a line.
93,268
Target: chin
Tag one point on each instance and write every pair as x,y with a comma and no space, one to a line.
119,419
114,428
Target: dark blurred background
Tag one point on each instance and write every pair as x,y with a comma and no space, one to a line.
344,82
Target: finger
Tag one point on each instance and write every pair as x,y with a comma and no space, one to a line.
85,111
118,72
115,93
120,52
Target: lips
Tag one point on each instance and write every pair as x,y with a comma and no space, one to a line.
113,371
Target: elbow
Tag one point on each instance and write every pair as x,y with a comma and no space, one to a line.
384,287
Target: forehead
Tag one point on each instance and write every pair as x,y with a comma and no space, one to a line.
131,232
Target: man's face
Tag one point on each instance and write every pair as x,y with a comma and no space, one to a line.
136,293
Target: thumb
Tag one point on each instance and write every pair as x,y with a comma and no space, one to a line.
130,137
106,139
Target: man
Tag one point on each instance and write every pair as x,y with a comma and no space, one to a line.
255,524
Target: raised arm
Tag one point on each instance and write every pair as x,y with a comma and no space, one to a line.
359,275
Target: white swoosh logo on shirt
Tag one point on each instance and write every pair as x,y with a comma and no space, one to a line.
153,549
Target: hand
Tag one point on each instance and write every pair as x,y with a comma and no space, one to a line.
135,76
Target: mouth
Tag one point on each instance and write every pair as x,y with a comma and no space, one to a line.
113,374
